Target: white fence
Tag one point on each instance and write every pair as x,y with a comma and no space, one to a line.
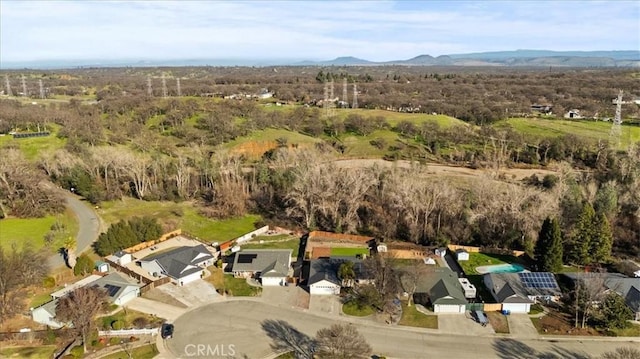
248,236
128,332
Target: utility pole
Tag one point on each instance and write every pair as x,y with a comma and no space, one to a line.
344,91
41,89
149,88
355,96
616,128
164,86
24,87
8,85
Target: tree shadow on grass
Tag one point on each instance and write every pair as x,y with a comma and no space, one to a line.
287,338
513,349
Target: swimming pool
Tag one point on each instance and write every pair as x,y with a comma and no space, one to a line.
500,268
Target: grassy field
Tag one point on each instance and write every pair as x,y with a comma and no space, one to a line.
589,129
360,146
143,352
31,147
349,252
293,244
236,287
351,308
484,259
178,215
33,230
40,299
413,318
40,352
257,143
393,118
631,331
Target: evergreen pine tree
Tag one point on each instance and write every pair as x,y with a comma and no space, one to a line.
602,240
583,236
548,250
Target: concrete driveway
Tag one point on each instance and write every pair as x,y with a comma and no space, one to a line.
288,297
520,325
192,294
325,304
162,310
252,327
462,324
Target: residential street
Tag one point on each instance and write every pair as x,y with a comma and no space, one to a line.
88,231
244,324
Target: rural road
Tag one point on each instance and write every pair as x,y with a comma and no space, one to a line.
242,326
88,230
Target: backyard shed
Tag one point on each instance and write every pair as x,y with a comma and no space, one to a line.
462,255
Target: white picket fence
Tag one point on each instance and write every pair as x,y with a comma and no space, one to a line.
248,236
128,332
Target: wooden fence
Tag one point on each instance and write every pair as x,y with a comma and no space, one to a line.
339,237
471,249
154,284
148,244
128,272
492,307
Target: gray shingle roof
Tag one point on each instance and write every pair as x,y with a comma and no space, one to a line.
270,263
446,291
509,288
324,269
627,287
111,282
440,283
175,261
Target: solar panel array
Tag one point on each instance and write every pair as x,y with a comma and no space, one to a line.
111,289
541,280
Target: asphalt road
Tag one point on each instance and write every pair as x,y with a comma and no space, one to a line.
239,329
88,230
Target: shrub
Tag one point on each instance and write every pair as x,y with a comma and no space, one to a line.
77,352
84,265
49,282
50,337
140,322
117,324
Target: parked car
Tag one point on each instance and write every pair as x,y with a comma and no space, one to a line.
167,331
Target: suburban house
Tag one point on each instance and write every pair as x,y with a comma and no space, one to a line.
462,255
517,291
323,277
626,287
270,266
119,291
323,274
183,265
440,288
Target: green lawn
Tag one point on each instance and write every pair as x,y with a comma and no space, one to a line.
127,317
589,129
293,244
349,252
485,259
360,146
352,308
40,352
413,318
393,118
237,287
179,215
33,146
143,352
33,230
40,299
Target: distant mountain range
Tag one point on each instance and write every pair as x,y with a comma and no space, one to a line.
518,58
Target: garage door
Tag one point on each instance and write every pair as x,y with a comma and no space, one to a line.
190,278
441,308
272,281
324,290
516,307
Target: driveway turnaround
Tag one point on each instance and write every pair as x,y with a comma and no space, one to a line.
162,310
242,329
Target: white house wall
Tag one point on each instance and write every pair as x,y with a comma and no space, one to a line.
324,288
449,308
152,267
190,278
128,294
40,315
517,307
272,281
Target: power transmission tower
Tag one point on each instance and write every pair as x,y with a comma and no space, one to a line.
616,128
355,96
41,89
344,91
164,86
8,85
149,88
178,86
325,102
24,87
331,90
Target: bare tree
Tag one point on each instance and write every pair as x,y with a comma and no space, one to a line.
19,268
80,308
341,341
588,292
622,353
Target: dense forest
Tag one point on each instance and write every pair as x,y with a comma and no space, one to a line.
117,140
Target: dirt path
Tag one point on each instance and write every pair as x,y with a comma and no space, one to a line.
440,169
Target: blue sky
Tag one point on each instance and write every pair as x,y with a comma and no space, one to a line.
378,30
